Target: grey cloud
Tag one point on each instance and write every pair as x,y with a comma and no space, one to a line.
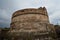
4,18
7,7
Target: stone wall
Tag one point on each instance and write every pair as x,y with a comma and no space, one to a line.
29,17
31,24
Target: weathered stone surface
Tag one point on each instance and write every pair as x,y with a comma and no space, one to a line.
31,24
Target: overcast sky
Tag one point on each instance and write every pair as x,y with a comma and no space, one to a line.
7,7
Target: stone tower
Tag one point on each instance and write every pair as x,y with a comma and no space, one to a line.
31,24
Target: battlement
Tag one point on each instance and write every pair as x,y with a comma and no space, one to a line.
41,10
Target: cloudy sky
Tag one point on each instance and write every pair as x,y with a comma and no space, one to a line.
7,7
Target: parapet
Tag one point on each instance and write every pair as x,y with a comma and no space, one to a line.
41,10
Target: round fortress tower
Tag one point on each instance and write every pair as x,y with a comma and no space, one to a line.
31,24
29,18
